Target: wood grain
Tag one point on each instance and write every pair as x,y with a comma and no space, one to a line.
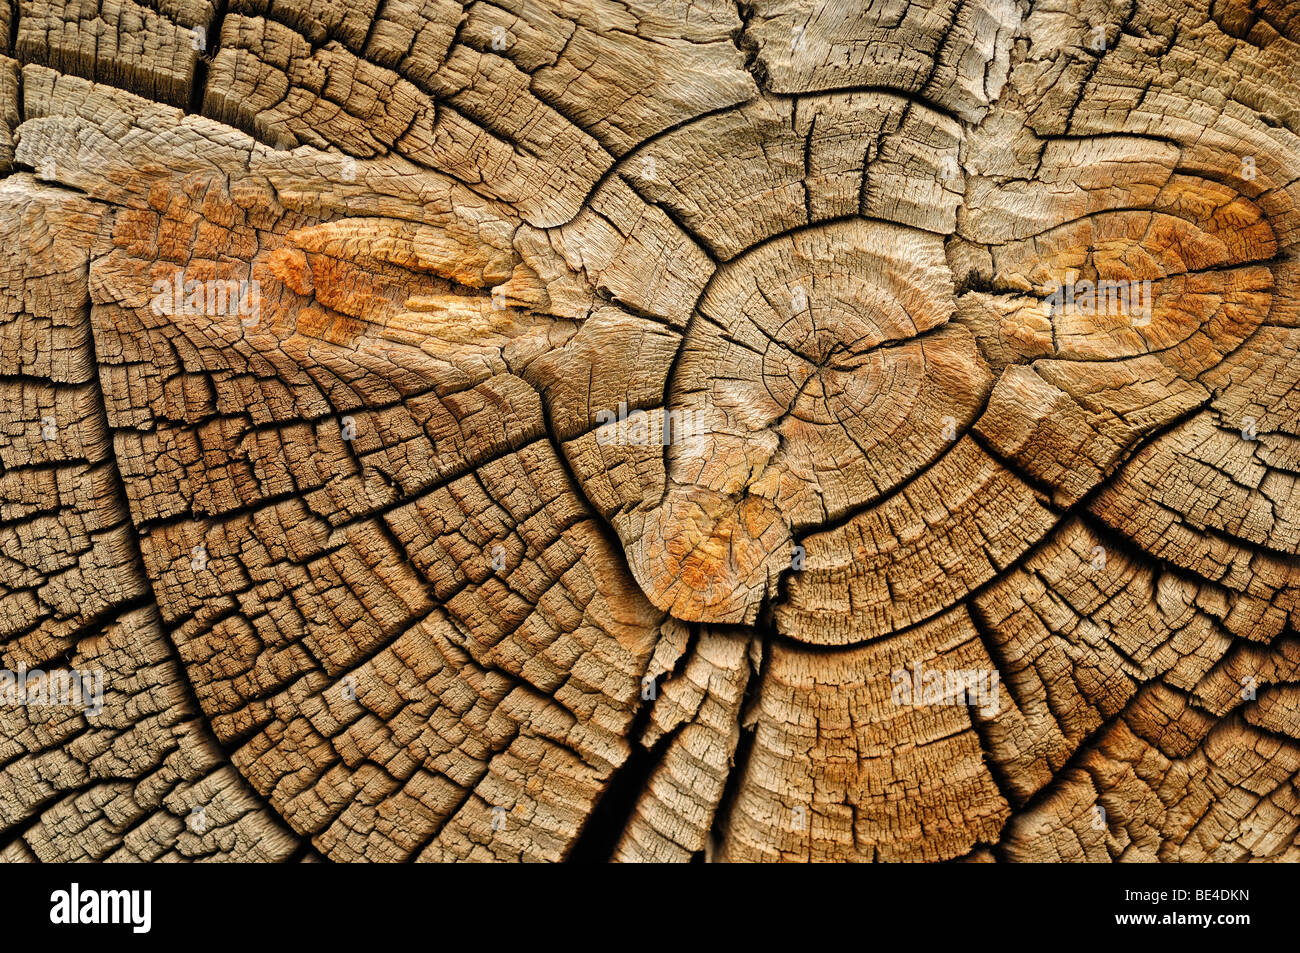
651,431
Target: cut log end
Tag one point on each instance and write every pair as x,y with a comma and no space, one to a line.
649,432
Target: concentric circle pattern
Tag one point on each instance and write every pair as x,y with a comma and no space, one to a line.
650,430
820,371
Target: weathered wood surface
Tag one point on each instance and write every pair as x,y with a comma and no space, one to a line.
369,575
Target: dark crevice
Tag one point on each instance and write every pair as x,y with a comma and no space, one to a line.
731,790
745,744
303,851
212,39
15,10
470,791
35,817
982,726
1083,504
748,46
1074,765
148,600
611,813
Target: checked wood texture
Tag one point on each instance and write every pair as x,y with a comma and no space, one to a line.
370,576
